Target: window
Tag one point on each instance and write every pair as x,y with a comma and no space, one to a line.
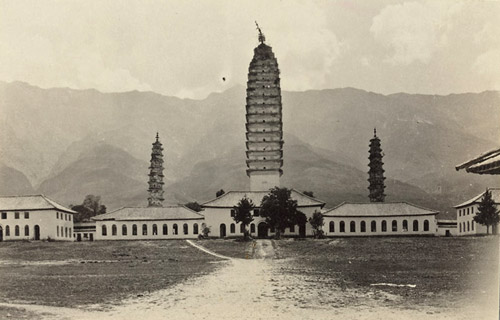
69,217
134,229
353,226
114,230
165,230
104,231
472,225
70,232
459,212
363,226
384,226
57,215
144,230
26,231
233,213
472,210
252,228
415,225
175,228
256,212
242,228
292,228
374,226
124,230
468,226
155,230
394,226
426,225
4,215
460,226
16,215
332,226
232,228
467,211
26,215
7,231
57,228
66,232
342,226
405,225
195,228
185,228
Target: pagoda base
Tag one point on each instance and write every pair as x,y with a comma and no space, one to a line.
264,180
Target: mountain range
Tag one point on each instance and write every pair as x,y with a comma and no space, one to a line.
68,143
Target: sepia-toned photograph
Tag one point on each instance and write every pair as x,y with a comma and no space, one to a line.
323,159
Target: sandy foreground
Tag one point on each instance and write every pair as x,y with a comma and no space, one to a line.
256,289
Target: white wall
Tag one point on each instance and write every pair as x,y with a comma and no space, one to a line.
264,180
466,225
149,223
378,221
214,217
49,221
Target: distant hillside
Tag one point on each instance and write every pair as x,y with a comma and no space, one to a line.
13,182
46,132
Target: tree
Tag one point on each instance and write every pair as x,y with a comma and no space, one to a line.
317,223
308,193
220,193
280,211
487,213
90,207
194,206
243,214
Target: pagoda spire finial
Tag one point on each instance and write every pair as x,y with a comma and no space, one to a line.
375,131
262,37
157,136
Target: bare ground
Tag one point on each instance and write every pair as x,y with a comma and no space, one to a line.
259,289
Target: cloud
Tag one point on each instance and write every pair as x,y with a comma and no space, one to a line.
414,31
488,65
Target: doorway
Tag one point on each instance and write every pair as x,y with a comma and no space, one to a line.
262,230
37,233
222,230
1,234
302,230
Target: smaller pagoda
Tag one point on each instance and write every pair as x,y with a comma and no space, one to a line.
376,172
155,190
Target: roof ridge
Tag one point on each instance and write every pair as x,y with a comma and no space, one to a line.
24,196
305,195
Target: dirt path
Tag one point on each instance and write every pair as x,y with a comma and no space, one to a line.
245,289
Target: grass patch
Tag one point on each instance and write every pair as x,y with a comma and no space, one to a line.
74,274
445,271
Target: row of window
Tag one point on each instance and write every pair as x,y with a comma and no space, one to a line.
16,215
17,231
65,232
154,229
373,226
63,216
256,213
470,226
463,212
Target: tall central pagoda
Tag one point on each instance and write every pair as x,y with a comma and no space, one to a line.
264,126
155,190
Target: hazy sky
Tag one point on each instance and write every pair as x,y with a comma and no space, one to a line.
184,48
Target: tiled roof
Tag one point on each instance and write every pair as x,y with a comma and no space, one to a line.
487,163
231,198
31,202
495,195
377,209
151,213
